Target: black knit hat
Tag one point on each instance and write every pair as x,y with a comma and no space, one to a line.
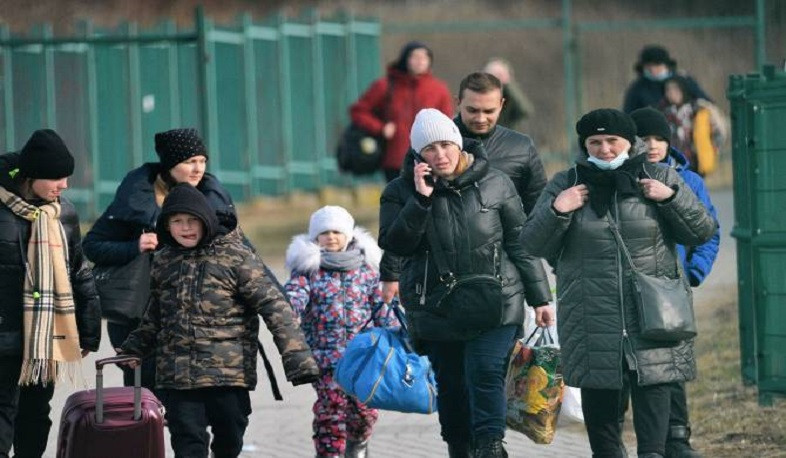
650,121
176,145
654,54
45,156
184,198
606,121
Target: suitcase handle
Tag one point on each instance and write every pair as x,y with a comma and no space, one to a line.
100,384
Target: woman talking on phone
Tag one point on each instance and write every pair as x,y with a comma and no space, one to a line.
456,221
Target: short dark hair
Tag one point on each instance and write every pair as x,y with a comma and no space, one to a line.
480,82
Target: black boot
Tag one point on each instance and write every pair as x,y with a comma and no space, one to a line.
489,448
678,443
650,455
356,449
459,450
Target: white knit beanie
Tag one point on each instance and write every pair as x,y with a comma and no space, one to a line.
431,126
331,218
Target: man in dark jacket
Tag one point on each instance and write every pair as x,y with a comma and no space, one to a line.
654,67
31,211
480,103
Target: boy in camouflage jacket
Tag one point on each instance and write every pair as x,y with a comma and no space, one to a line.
202,323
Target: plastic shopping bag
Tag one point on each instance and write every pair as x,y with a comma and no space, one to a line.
535,387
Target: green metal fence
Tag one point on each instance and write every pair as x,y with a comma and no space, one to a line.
270,98
759,154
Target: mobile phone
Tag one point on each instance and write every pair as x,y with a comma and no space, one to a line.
428,178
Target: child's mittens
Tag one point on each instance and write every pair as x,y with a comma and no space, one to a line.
300,367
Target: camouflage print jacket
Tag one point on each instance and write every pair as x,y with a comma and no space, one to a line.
202,320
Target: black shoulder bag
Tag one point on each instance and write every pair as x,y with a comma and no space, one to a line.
664,305
470,302
359,152
124,289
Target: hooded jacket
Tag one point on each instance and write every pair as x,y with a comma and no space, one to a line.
14,237
409,94
477,219
334,305
596,315
114,238
202,321
645,92
697,261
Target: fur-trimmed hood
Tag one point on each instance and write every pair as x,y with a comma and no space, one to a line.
303,254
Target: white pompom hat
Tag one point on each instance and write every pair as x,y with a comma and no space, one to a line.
331,218
431,125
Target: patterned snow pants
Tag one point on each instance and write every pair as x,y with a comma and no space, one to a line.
338,417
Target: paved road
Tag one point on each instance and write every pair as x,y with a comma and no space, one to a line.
283,429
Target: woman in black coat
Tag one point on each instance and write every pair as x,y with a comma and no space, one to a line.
613,186
127,228
44,279
451,216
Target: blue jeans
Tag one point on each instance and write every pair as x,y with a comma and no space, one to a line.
471,384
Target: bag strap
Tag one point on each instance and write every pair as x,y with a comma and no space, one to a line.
270,374
621,244
443,270
386,101
615,230
545,337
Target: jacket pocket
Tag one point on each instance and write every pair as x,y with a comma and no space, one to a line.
218,342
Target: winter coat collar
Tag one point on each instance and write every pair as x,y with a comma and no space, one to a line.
676,159
303,255
135,197
475,172
466,133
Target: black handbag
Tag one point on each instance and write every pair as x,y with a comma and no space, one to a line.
664,305
358,152
124,289
470,302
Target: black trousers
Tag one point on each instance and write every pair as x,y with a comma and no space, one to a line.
678,411
118,333
190,412
24,412
602,410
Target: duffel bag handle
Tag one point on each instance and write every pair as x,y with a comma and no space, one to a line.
100,384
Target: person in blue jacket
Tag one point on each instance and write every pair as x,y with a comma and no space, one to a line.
697,261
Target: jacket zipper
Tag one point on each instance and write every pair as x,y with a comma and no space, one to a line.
425,280
620,275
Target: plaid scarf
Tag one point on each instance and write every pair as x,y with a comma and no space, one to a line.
51,338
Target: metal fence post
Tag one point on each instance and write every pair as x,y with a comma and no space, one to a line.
761,35
252,102
134,96
92,113
286,102
207,88
49,78
8,91
318,83
568,54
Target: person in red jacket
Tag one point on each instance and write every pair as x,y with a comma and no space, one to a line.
391,112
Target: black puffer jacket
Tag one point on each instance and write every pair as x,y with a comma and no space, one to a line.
14,236
514,154
475,217
114,238
508,151
598,323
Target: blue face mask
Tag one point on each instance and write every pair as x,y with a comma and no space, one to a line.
608,165
652,77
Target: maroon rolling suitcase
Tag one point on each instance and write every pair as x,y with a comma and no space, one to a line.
122,422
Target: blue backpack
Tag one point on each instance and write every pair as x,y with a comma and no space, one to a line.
382,371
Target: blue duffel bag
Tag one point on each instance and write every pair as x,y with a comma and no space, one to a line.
382,371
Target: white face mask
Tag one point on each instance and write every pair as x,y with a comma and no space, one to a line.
609,165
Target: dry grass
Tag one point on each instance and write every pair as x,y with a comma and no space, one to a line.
726,417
